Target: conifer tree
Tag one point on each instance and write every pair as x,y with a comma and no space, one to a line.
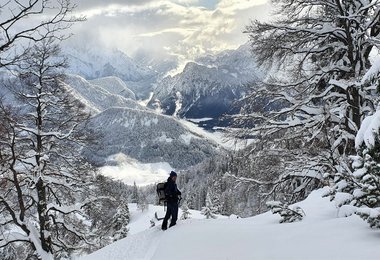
185,212
209,210
135,194
366,176
121,222
142,203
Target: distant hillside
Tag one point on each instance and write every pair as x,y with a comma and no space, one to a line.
147,137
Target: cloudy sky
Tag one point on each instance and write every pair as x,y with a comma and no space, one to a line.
185,29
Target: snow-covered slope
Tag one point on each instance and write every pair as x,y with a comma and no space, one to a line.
140,220
321,235
96,97
148,137
115,86
207,87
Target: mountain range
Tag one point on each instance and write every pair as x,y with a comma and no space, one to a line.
93,62
125,126
113,87
208,87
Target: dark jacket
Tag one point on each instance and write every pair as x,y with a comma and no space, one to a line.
171,191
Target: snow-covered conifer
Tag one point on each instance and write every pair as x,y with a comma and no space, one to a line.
185,212
365,181
142,203
121,218
135,194
209,210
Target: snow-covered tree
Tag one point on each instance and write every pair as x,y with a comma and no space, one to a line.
234,196
313,107
364,192
359,190
110,214
121,221
214,192
135,194
185,212
142,203
46,183
209,210
367,173
31,202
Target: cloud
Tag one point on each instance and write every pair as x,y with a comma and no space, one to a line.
131,171
185,29
89,4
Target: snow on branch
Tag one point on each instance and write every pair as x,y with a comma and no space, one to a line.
288,214
368,133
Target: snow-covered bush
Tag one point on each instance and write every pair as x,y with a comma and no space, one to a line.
372,216
288,214
185,212
208,212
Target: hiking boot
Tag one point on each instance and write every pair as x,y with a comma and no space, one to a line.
172,225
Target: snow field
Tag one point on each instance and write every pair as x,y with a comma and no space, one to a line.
322,235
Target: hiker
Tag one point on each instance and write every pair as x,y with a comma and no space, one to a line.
172,197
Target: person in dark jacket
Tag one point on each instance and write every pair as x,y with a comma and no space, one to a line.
172,197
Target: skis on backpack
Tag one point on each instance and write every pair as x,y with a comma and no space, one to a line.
161,197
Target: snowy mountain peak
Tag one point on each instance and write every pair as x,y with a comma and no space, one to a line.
95,62
207,87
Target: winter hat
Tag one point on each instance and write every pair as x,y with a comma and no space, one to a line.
172,174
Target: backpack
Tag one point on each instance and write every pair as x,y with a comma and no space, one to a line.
161,192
